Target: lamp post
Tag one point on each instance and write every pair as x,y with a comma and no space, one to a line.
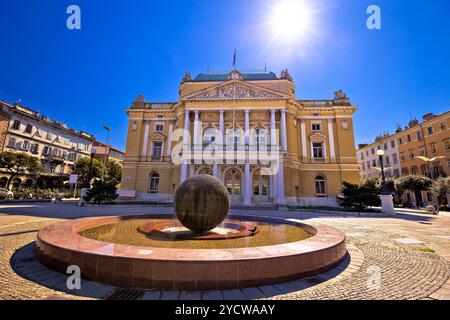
380,154
386,197
108,129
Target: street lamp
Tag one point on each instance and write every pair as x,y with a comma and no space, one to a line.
380,154
108,129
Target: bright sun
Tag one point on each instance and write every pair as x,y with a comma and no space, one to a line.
291,20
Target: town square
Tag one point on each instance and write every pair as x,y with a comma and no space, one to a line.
288,152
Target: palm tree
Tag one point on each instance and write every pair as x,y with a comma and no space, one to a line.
429,162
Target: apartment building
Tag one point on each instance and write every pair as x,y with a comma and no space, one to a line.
103,150
369,161
420,148
52,142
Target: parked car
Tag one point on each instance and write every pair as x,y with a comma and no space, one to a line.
6,194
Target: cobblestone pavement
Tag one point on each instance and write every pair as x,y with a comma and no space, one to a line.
401,257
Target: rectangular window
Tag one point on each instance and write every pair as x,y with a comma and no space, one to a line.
400,141
316,127
447,145
419,136
61,168
422,151
159,127
157,150
25,145
363,167
373,151
433,148
394,158
388,161
385,146
374,163
411,155
318,150
393,144
34,148
46,151
408,138
12,143
16,125
443,126
29,128
368,165
430,130
52,167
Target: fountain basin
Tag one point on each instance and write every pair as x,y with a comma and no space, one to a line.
164,268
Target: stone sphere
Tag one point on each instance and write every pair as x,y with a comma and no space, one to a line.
202,203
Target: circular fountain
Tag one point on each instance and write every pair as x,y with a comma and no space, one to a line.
202,250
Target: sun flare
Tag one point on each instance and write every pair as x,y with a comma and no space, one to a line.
291,20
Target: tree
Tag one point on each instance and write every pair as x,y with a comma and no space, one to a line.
417,184
18,163
102,191
113,169
440,189
82,169
360,197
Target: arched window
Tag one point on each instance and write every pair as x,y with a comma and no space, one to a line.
234,137
259,138
321,187
154,182
209,136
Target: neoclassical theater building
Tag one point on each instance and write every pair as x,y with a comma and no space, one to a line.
242,117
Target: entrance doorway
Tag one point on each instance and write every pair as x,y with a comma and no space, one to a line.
260,188
233,180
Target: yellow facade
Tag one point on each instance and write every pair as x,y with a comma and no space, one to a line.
315,140
429,139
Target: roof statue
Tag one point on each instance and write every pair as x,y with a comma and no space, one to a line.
286,75
187,77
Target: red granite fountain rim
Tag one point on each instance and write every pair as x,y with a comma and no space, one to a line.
64,235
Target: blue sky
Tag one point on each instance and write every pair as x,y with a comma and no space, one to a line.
125,48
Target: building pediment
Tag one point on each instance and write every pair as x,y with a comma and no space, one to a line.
156,136
235,90
317,137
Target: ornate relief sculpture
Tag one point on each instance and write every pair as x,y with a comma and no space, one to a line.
234,91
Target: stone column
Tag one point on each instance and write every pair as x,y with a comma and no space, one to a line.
145,142
283,131
169,141
221,127
273,133
196,127
247,186
280,180
216,170
304,146
331,138
187,125
247,127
